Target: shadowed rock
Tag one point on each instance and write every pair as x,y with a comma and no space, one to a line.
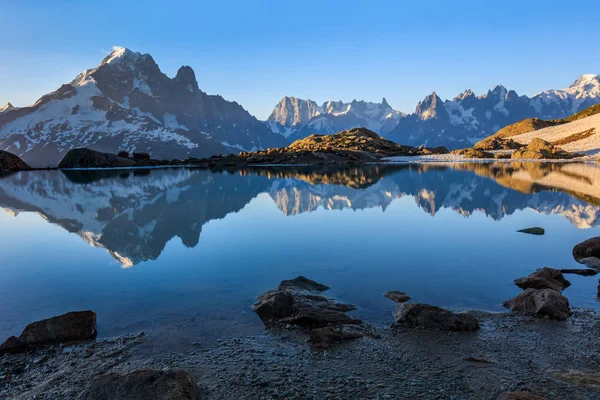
398,297
540,149
425,316
544,278
540,302
533,231
299,301
171,384
72,326
13,345
86,158
582,272
12,163
588,252
520,396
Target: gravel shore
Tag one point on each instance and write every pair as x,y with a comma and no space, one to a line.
559,360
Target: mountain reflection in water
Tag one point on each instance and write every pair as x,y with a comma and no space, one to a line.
134,213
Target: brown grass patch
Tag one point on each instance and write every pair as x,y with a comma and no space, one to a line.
575,137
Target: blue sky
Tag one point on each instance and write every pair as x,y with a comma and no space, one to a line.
255,52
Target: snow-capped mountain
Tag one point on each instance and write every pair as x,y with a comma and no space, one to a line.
7,107
297,118
127,103
467,118
455,123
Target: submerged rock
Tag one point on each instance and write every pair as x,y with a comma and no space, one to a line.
331,334
12,163
588,252
520,396
533,231
299,301
398,297
86,158
540,302
582,272
143,384
426,316
544,278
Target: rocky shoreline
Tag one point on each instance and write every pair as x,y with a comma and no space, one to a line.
510,352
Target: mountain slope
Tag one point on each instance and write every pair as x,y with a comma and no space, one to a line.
127,103
297,118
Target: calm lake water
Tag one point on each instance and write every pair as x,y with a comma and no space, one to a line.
184,252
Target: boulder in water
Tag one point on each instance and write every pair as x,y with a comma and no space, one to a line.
540,302
417,315
544,278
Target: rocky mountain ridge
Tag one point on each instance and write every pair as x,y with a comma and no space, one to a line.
456,123
128,104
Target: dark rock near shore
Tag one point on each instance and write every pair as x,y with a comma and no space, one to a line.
139,157
12,163
520,396
144,384
544,278
533,231
540,302
299,301
72,326
13,345
472,153
582,272
398,297
426,316
86,158
588,252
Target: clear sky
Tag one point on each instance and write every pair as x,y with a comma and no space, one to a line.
255,52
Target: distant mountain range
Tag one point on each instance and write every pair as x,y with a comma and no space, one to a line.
455,123
127,103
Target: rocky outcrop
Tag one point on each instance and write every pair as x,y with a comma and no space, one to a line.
472,153
544,278
540,302
299,301
540,149
143,384
11,163
520,396
398,297
533,231
70,327
417,315
86,158
497,143
357,145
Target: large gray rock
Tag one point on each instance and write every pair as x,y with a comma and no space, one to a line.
544,278
540,302
10,162
417,315
86,158
144,384
299,301
72,326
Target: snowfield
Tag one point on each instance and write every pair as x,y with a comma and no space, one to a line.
589,145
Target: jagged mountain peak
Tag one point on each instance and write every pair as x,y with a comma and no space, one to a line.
585,80
7,107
